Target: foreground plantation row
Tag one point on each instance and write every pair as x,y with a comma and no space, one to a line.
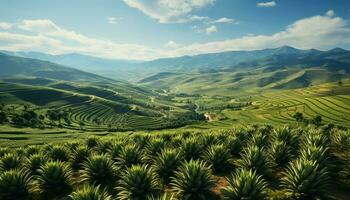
253,162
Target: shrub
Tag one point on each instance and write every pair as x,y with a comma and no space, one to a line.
90,193
9,161
15,184
129,155
54,179
234,145
165,196
245,184
59,153
259,139
115,150
104,146
304,179
78,157
317,154
153,147
99,170
91,142
193,181
30,150
218,158
166,163
34,162
255,159
137,182
191,149
280,153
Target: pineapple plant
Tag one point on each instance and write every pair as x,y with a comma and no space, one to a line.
99,170
59,153
219,158
305,179
16,184
166,163
129,155
10,161
78,156
255,159
191,149
90,193
245,184
137,182
193,180
54,179
34,162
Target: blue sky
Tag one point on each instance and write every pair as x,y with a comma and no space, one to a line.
149,29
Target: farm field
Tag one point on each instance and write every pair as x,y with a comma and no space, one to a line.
330,101
258,162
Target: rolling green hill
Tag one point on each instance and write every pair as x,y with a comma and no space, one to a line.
18,66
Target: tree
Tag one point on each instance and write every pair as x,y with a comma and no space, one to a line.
340,83
298,116
3,117
81,124
317,120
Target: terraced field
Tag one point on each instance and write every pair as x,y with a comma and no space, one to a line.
90,108
331,101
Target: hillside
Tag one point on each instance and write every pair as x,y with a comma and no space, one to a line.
284,68
18,66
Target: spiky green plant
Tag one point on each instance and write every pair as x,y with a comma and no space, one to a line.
165,196
92,142
219,158
315,153
280,153
234,145
15,184
141,140
289,136
54,179
3,151
99,170
191,148
78,156
32,149
208,139
129,155
116,149
245,184
137,182
259,139
304,179
256,159
153,147
59,153
34,162
104,146
315,138
10,161
193,181
166,163
90,193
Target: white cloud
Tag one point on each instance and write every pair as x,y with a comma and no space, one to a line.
330,13
198,18
223,20
5,25
267,4
171,44
321,31
113,20
211,29
168,11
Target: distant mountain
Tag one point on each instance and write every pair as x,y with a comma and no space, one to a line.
18,66
280,68
203,63
115,69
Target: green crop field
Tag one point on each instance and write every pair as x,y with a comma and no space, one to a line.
249,162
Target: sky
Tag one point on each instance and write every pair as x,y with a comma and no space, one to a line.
152,29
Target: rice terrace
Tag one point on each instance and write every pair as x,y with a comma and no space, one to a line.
174,100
